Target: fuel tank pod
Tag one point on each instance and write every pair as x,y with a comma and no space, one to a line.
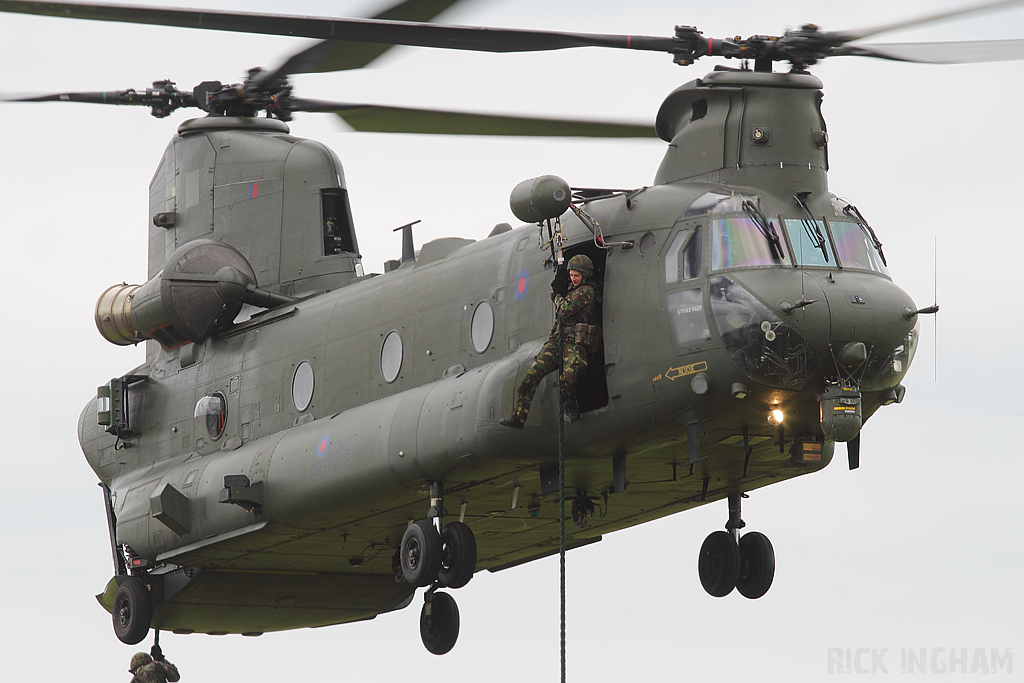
196,291
539,199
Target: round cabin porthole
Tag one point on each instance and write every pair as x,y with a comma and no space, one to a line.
302,386
482,327
211,414
391,357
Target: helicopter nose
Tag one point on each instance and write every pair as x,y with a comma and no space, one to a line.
824,326
867,310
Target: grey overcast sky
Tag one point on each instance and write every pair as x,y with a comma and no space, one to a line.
919,548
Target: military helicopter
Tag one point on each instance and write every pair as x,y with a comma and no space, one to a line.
705,429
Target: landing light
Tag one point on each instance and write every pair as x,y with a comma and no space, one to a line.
776,417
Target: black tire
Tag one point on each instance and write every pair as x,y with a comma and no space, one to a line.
757,565
440,629
458,555
133,611
719,564
421,553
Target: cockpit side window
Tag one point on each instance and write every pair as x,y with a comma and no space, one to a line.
856,248
682,261
672,257
692,255
739,242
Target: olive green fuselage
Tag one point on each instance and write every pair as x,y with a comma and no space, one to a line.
696,331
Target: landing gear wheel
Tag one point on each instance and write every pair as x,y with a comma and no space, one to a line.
458,555
440,628
133,611
719,564
757,565
421,553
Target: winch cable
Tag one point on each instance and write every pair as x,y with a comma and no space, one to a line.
561,464
561,495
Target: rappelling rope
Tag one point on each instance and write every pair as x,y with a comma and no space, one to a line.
555,259
561,494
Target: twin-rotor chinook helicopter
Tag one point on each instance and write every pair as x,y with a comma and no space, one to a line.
307,444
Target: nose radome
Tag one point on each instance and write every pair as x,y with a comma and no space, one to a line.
868,309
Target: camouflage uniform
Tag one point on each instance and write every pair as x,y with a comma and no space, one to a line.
575,307
147,670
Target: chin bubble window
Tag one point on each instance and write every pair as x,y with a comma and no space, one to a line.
212,414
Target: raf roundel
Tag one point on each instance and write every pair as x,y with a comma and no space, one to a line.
321,450
522,285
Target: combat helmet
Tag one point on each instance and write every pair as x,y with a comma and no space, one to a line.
581,264
139,660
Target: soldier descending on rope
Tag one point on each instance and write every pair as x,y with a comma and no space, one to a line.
574,311
152,668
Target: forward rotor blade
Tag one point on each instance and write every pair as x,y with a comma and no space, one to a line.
381,119
106,97
847,36
335,55
144,98
360,30
962,52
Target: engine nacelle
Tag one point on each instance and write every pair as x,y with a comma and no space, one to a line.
203,286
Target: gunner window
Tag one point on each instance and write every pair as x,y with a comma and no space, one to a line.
686,310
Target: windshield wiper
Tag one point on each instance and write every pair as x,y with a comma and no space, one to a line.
811,224
851,210
767,229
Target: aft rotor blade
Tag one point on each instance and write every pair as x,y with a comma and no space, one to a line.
846,36
360,30
956,52
383,119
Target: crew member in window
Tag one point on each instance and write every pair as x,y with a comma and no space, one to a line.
574,311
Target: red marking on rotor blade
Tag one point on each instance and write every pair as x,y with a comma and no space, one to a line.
252,191
629,40
710,41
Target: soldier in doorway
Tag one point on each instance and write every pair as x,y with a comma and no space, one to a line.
574,312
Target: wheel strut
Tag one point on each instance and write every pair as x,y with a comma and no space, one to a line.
735,522
446,556
436,510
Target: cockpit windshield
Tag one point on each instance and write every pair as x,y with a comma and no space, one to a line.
738,242
856,247
810,245
721,201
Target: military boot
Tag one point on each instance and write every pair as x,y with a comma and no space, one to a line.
571,412
512,421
